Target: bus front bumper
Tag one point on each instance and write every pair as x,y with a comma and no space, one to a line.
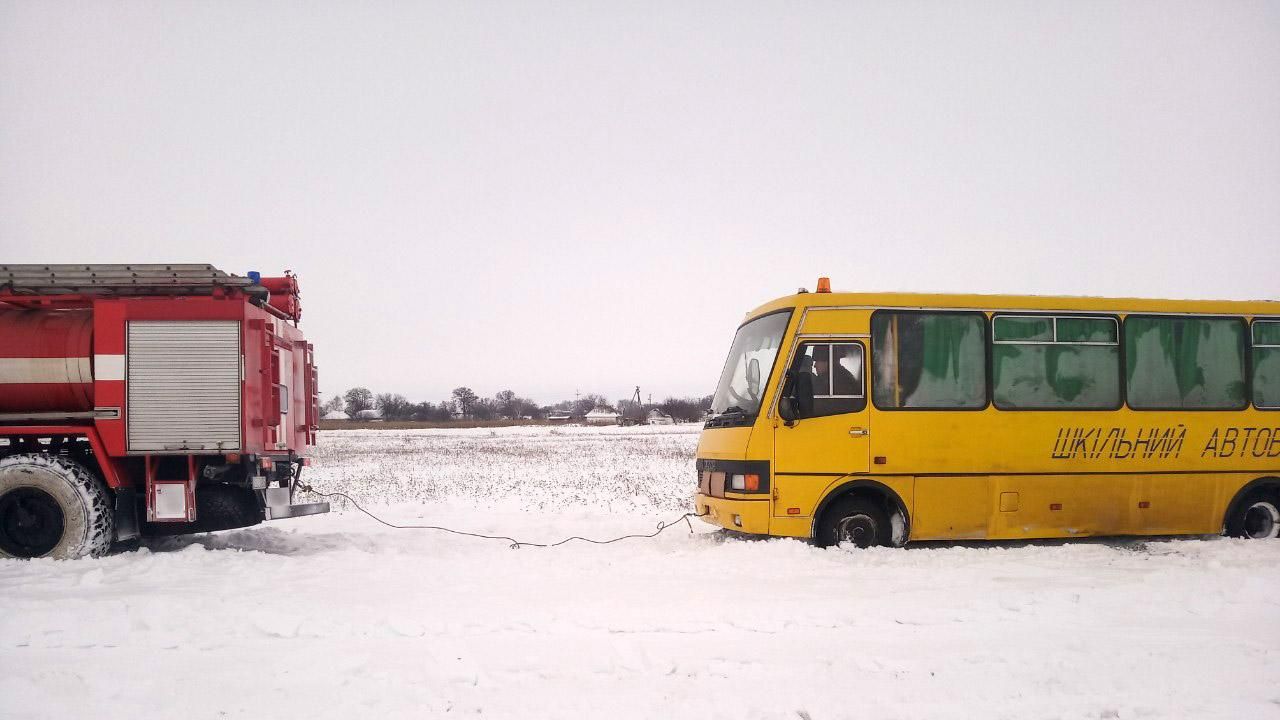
747,516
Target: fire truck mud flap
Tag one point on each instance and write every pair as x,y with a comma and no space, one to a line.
277,505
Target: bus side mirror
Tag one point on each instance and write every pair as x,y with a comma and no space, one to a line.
787,409
753,377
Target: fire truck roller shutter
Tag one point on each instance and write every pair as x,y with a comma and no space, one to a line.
45,360
183,385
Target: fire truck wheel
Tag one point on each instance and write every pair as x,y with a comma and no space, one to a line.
52,507
224,507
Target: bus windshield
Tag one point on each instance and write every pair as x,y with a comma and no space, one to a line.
746,371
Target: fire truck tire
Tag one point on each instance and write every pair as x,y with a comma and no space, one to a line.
226,507
52,507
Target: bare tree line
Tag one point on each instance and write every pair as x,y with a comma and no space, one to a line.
465,404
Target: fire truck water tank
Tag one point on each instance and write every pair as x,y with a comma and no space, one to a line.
46,360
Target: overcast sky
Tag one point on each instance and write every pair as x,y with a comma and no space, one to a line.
588,196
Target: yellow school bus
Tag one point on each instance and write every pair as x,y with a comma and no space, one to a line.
878,419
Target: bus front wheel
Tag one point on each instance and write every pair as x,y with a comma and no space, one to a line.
859,521
1257,518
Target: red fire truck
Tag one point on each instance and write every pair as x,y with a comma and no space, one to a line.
141,400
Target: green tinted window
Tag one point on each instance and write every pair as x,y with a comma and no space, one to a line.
929,360
1090,330
1266,332
1073,363
1266,364
1193,363
1009,329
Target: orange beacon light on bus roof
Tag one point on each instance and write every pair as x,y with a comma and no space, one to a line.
824,284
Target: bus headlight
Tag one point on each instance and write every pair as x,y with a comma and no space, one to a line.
746,477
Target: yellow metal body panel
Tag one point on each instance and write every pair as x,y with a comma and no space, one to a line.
835,322
951,508
724,443
812,302
796,527
1003,474
990,441
1008,502
822,445
798,495
754,514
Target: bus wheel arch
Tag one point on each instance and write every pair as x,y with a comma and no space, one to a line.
878,495
1254,512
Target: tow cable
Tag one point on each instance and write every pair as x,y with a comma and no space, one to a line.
514,544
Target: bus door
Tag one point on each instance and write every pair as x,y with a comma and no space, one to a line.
831,436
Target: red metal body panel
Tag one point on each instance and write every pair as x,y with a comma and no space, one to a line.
257,384
284,295
45,360
108,340
112,472
274,352
111,323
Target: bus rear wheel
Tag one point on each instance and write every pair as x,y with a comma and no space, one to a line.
52,506
858,521
1258,517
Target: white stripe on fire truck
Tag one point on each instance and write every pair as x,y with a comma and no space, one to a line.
40,371
108,367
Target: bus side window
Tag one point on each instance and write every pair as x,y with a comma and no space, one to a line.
1052,362
835,372
1185,363
929,360
1266,364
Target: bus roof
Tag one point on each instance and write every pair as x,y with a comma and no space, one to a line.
1018,302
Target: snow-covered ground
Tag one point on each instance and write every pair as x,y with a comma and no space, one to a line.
339,617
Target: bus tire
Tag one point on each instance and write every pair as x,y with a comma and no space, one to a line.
1257,516
54,507
854,519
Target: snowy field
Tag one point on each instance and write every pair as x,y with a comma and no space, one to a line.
339,617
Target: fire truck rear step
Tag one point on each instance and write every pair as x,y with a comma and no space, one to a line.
277,505
291,511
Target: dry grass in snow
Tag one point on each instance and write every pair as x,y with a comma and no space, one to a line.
609,469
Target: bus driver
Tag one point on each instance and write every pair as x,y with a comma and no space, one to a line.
843,383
